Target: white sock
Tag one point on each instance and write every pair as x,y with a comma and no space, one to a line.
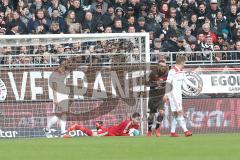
173,125
51,121
182,122
63,122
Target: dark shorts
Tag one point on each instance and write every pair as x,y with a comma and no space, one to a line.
155,104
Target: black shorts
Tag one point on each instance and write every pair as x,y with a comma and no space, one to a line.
155,104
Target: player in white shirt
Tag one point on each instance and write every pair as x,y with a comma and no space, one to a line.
176,78
60,98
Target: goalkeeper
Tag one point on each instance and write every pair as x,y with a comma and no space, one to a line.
121,129
157,82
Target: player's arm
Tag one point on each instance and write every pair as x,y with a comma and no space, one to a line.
126,129
169,82
55,99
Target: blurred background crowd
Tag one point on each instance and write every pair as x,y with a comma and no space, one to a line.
173,25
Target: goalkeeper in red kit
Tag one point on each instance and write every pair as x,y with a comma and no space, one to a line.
121,129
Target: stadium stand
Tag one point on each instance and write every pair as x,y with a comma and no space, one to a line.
202,26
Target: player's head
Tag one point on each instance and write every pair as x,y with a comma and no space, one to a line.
136,118
180,60
162,66
99,124
63,63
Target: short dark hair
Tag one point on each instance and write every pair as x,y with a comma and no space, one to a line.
135,115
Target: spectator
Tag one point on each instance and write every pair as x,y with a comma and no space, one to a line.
108,17
13,29
117,27
56,18
79,12
88,22
102,3
55,5
41,25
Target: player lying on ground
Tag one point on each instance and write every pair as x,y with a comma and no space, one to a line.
121,129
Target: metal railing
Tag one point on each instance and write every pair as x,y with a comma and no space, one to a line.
49,60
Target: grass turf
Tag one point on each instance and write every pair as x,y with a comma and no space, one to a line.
198,147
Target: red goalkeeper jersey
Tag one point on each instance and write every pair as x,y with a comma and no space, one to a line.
119,129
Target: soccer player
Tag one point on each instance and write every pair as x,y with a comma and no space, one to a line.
121,129
157,81
175,80
60,97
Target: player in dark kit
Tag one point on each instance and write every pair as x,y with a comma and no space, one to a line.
157,82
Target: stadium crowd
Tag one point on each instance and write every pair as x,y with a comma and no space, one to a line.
174,25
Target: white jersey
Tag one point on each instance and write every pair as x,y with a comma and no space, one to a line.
62,91
176,77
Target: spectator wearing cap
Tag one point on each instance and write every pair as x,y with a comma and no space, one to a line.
166,31
77,8
41,24
182,45
103,4
55,4
117,26
213,9
108,17
220,40
151,23
97,14
55,17
130,12
119,12
141,24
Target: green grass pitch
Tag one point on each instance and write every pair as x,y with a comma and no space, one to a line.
198,147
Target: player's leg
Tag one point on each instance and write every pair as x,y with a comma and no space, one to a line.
150,123
174,115
51,120
81,128
182,122
159,120
153,105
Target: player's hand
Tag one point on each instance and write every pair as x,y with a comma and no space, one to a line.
165,98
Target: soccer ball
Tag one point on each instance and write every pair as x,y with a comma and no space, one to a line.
134,132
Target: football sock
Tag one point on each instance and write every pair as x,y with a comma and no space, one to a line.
182,123
159,121
63,123
173,125
150,123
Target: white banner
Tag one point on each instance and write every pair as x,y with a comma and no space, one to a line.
220,83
